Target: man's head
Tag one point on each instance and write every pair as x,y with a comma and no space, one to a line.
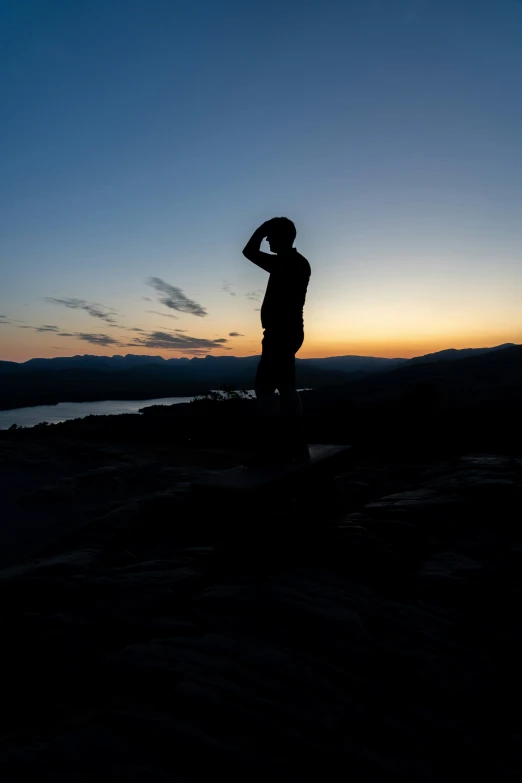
281,234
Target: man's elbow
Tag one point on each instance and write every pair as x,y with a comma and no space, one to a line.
247,253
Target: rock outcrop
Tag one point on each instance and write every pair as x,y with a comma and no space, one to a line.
382,644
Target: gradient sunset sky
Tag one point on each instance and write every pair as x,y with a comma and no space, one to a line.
143,141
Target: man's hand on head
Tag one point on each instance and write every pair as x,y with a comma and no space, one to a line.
266,226
252,249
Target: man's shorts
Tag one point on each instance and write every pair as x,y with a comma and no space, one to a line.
276,367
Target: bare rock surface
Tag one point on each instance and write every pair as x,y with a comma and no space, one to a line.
147,643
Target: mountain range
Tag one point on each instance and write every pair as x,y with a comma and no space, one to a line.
213,364
454,379
87,378
208,365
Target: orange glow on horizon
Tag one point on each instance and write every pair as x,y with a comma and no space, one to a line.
313,348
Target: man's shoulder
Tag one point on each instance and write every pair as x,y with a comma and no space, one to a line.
303,263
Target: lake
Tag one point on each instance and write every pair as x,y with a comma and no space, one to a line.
63,411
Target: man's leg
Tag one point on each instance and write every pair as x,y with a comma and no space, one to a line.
293,423
268,419
290,400
291,406
267,399
265,383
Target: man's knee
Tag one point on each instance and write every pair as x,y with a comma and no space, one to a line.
264,385
267,401
290,399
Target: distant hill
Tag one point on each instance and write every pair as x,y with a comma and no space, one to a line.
210,365
451,354
88,378
88,361
6,367
353,363
450,406
216,364
488,374
39,386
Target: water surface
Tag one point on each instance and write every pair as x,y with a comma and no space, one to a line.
64,411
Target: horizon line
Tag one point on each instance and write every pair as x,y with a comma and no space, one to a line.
253,356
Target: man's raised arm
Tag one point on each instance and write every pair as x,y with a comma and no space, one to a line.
252,249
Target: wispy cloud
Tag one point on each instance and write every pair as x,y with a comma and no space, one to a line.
94,339
227,287
255,296
235,334
173,297
165,315
45,328
147,299
4,319
95,310
178,342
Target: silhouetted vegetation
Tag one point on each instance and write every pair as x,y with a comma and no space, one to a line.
23,387
450,406
84,379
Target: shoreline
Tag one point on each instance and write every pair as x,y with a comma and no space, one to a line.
86,402
28,417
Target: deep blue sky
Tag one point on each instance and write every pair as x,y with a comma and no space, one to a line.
148,139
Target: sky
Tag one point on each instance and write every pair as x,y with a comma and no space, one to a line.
143,141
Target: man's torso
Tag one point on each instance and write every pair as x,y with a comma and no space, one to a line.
285,294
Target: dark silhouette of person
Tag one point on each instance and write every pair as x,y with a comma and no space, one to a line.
281,436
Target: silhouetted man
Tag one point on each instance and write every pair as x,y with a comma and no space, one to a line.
282,437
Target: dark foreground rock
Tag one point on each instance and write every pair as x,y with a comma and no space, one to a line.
383,643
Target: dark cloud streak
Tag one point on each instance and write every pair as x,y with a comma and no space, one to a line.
95,310
178,342
44,328
227,287
93,339
165,315
173,297
97,339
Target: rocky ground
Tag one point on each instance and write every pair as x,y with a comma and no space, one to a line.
150,637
